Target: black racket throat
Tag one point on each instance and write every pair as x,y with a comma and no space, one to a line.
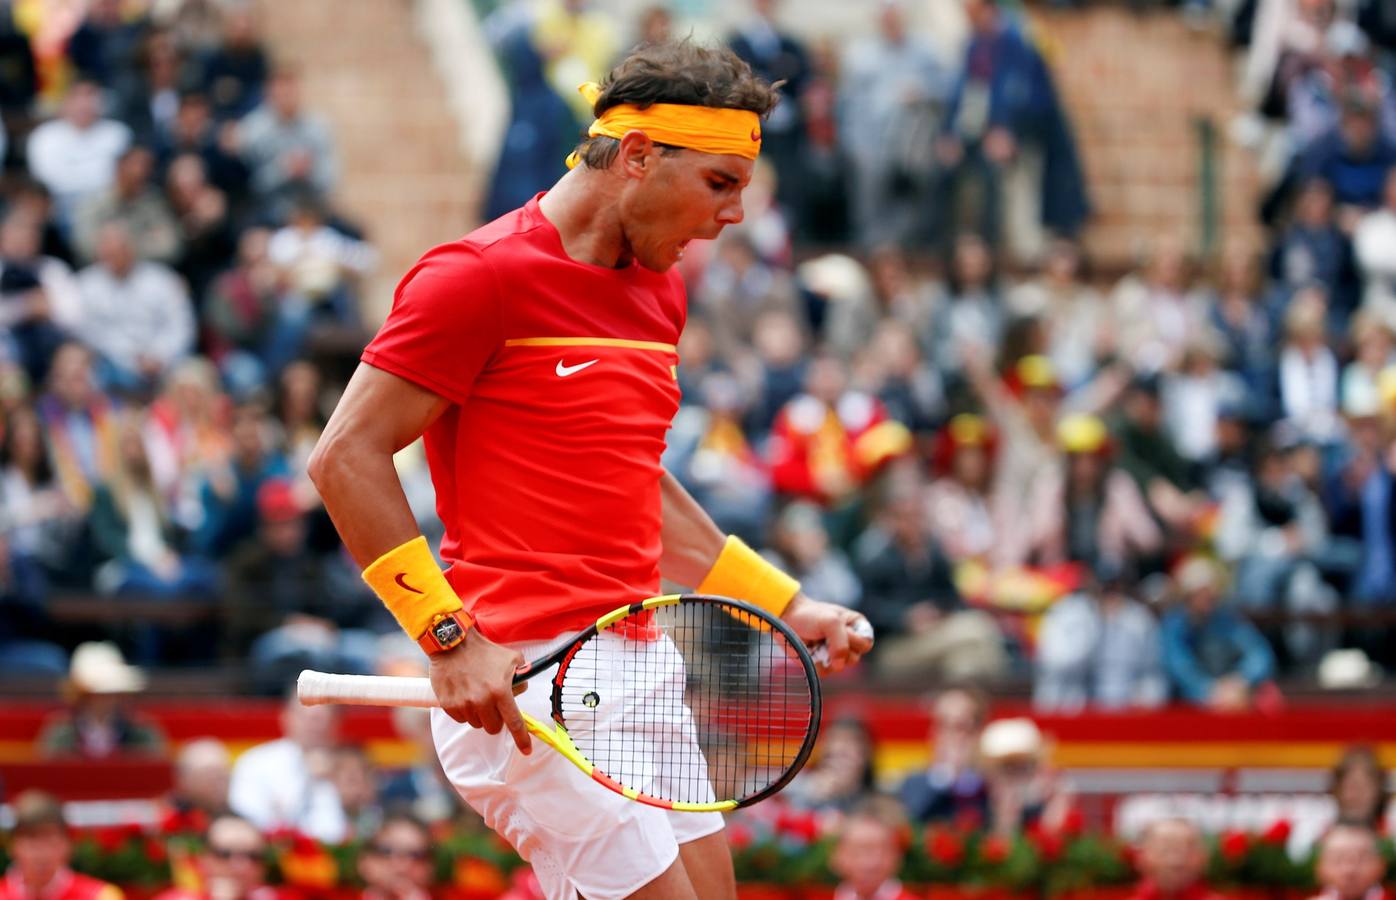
688,699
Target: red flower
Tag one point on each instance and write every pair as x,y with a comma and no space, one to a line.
801,826
739,836
1048,843
945,848
1277,834
155,850
110,839
1073,823
994,849
1234,846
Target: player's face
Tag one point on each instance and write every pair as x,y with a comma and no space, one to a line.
685,196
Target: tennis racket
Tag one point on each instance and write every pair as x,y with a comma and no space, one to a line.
685,702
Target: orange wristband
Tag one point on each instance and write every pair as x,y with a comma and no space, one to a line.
741,573
409,582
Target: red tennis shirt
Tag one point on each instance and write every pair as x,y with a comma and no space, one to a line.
561,377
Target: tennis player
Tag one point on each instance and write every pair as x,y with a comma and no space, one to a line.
537,356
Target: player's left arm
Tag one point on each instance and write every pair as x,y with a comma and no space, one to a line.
692,546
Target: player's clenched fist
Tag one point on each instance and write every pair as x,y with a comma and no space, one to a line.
474,683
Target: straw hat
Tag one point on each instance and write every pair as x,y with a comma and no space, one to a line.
98,667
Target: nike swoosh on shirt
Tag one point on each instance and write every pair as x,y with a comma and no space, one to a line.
564,370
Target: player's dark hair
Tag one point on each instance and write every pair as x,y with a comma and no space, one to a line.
676,72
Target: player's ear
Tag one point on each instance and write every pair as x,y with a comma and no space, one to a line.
636,154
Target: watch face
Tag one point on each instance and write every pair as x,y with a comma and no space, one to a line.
447,632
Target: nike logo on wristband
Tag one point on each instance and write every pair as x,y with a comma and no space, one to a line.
401,580
564,370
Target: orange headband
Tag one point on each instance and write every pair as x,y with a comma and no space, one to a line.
706,129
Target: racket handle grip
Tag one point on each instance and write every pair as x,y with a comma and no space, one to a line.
316,688
820,653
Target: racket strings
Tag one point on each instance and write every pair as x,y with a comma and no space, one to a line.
716,707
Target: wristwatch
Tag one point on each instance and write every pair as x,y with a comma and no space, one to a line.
446,631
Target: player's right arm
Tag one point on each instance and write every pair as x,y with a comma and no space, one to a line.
352,467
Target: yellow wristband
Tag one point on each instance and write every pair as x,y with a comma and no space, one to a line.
741,573
409,582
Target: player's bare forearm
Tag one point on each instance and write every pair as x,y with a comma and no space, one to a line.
691,539
352,465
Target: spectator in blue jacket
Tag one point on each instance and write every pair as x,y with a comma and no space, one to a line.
1213,656
1353,158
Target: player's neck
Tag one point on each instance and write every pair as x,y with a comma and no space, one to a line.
584,208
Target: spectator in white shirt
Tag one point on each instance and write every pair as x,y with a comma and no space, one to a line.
1308,368
320,262
285,783
75,155
135,313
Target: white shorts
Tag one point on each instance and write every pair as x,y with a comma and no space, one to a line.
578,836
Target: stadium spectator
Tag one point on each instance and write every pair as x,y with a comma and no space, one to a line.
196,132
1213,656
839,295
1243,322
205,222
286,783
202,770
869,851
289,608
1005,132
776,55
1374,348
135,313
1158,312
1173,861
255,324
579,43
74,156
287,148
910,598
39,297
1099,647
960,512
800,545
186,436
891,367
1072,312
1373,246
1086,507
975,319
952,787
148,97
1147,453
1311,249
1350,864
829,440
233,865
1359,790
80,425
229,496
355,780
778,365
105,43
97,723
133,529
738,286
843,774
891,93
235,72
1274,532
1309,368
1023,791
133,200
320,262
40,850
1353,157
396,862
1194,396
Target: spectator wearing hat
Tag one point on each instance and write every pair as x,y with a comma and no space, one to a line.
1274,532
1213,657
288,607
97,724
1085,508
1023,790
1099,647
869,851
952,787
1173,861
232,865
396,862
960,511
1350,864
40,849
